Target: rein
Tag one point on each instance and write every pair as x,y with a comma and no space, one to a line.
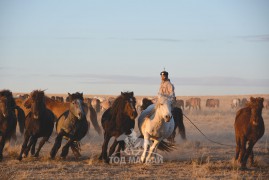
206,136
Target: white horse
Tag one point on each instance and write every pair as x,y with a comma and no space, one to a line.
156,123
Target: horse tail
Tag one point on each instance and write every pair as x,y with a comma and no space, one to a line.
166,146
178,118
93,118
163,145
20,118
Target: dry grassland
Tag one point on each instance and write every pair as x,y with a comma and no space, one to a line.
197,158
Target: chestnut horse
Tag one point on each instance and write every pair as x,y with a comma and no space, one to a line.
117,120
71,125
249,128
8,118
178,118
39,123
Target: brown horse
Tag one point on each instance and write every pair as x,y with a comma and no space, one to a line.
96,104
249,128
58,108
178,118
71,125
117,120
194,103
39,123
212,103
8,118
106,104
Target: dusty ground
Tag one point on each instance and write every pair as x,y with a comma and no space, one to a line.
193,159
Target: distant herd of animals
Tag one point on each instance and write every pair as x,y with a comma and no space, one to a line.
38,115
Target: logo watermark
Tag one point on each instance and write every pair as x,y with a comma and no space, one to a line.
133,151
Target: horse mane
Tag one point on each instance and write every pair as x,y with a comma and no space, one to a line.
76,95
34,96
8,94
157,104
117,108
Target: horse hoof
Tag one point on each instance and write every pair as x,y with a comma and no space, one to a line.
19,158
36,155
52,155
63,157
106,161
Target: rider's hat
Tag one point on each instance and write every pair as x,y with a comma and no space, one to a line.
164,73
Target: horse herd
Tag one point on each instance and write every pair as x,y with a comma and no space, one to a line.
37,116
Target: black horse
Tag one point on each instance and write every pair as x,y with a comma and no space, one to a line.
178,118
117,120
39,123
71,125
8,118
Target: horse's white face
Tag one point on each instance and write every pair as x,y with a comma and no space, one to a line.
163,108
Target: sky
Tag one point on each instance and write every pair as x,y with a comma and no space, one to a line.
209,47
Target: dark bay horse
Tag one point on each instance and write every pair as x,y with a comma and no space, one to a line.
8,118
178,118
71,125
117,120
39,123
249,128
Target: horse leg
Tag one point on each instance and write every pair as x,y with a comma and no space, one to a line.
120,147
33,147
242,151
75,150
24,145
65,149
57,144
2,144
33,139
152,149
248,152
146,144
103,155
42,142
237,150
251,158
113,147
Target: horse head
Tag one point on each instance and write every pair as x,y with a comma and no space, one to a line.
256,105
36,102
130,103
76,105
163,108
7,102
